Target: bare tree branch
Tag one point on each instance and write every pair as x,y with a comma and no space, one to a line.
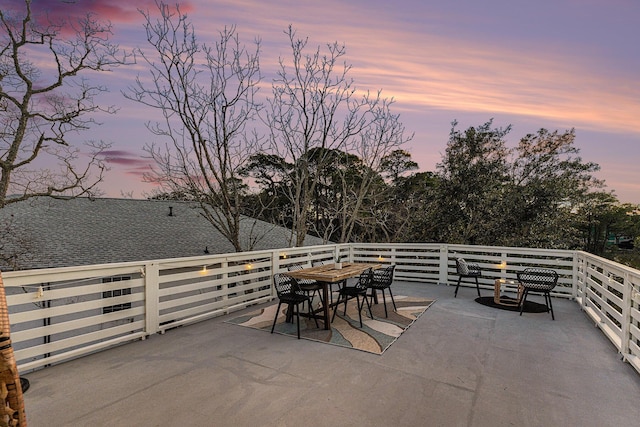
40,105
206,97
315,114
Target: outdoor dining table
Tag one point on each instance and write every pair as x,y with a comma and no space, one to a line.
328,274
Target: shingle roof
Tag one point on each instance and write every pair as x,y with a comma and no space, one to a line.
85,231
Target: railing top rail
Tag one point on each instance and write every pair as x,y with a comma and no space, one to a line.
45,274
169,262
609,262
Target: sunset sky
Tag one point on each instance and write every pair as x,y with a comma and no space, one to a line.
554,64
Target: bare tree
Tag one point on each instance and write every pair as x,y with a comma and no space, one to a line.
382,134
206,96
313,106
315,112
43,101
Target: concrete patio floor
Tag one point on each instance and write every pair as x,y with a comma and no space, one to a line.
460,364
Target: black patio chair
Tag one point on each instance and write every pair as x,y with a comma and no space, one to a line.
359,289
311,287
541,280
467,270
382,279
289,292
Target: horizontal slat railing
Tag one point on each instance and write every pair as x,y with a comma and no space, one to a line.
609,293
435,263
62,313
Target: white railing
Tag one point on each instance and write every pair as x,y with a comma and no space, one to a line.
63,313
610,294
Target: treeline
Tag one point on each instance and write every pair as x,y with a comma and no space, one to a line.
538,194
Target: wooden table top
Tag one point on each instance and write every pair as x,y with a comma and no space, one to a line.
329,274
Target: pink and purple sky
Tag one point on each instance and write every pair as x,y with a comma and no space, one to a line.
554,64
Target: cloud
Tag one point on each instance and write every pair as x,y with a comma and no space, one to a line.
430,57
133,161
440,61
463,75
112,10
121,14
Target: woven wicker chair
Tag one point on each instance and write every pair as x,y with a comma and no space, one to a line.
359,289
467,270
289,292
311,287
541,280
382,279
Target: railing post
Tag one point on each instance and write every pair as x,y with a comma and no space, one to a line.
152,298
585,284
443,269
275,268
504,265
574,277
224,268
627,298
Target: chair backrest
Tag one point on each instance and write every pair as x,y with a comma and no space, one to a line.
384,276
543,279
285,285
365,279
461,266
296,267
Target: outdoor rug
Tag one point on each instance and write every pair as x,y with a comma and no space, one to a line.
375,336
529,306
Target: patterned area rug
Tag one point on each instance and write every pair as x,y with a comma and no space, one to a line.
376,336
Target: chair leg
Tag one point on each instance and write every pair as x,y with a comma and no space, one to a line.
289,314
524,299
314,317
276,317
384,301
310,294
477,285
320,297
368,305
331,290
297,309
359,308
455,295
392,300
550,306
335,308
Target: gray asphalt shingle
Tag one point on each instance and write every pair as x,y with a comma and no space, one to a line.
59,233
